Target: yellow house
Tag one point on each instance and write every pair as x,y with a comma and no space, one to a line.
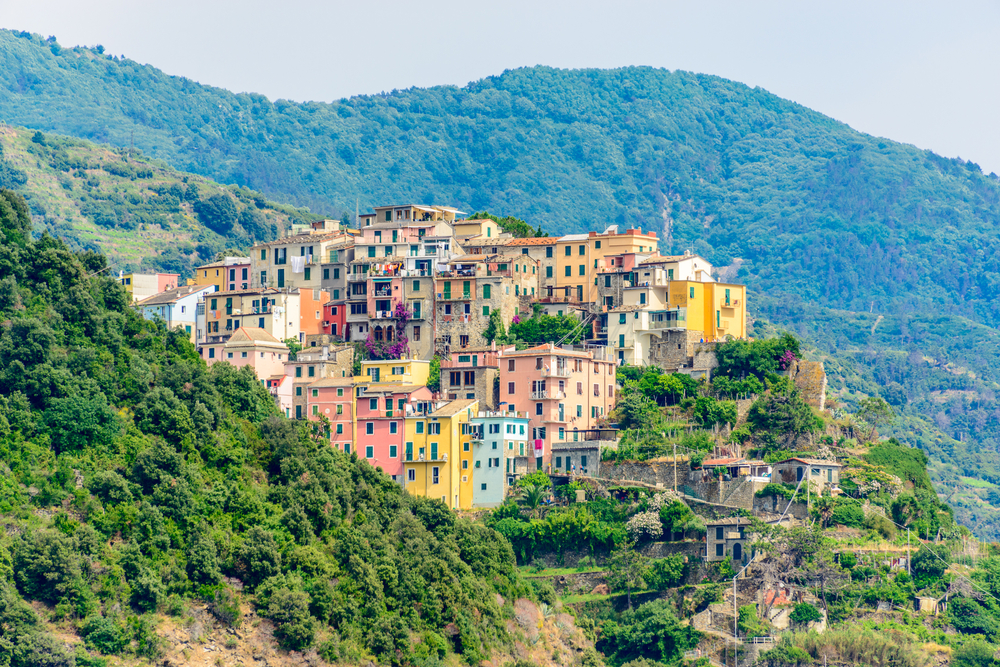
578,257
437,457
717,309
402,371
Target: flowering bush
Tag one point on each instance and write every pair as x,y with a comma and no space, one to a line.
399,346
645,524
786,359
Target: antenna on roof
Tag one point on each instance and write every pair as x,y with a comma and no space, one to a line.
357,211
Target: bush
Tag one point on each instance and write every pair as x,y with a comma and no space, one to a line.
295,627
805,613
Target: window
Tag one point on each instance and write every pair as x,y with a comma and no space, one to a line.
340,408
719,550
510,388
569,250
411,475
548,271
419,428
315,409
486,291
340,391
579,411
465,464
369,452
583,270
484,486
597,389
263,253
393,451
434,451
340,427
336,273
569,271
373,404
315,393
326,274
470,377
455,378
369,428
538,363
719,532
538,408
298,391
597,245
434,428
211,353
691,293
435,475
392,427
583,250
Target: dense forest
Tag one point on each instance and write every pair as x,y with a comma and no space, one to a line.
883,254
137,480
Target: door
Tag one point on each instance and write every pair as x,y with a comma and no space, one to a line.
798,474
737,551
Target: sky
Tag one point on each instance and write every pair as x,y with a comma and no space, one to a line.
919,72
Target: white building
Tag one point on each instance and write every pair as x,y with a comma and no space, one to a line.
177,307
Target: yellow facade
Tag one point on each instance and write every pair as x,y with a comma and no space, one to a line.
437,453
401,371
578,258
211,274
717,309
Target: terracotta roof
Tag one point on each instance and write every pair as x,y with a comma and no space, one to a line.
534,240
729,521
252,336
544,349
452,408
721,462
305,237
660,259
172,295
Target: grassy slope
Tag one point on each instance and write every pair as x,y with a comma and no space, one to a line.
57,195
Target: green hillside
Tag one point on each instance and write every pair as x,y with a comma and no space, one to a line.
882,254
139,212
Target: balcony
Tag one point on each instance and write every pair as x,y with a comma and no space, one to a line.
547,394
557,372
448,296
729,303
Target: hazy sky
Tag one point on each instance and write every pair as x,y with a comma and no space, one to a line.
924,73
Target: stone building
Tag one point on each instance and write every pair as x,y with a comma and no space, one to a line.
322,361
470,288
821,474
473,372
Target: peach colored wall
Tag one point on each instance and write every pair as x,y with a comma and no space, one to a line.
326,403
382,437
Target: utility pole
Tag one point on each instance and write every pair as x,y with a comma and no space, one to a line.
675,467
908,551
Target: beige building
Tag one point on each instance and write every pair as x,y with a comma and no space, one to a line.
296,261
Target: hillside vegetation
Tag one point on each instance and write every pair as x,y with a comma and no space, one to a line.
134,480
137,211
883,255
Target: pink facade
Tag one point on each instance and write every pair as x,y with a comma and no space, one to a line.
165,281
383,293
381,424
565,393
333,399
237,276
280,387
250,346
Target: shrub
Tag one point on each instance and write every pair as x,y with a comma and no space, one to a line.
805,613
295,627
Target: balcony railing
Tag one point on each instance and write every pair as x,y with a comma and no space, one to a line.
547,393
557,372
448,296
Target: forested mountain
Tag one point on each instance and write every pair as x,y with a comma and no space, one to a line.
883,254
139,212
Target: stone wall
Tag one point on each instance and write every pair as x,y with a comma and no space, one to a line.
674,348
656,472
777,505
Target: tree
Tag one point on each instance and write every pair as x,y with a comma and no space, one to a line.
804,613
433,374
218,212
973,653
627,570
531,497
258,557
875,412
548,329
294,347
295,627
652,631
495,330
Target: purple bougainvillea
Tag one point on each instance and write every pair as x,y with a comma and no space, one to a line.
786,360
516,320
399,346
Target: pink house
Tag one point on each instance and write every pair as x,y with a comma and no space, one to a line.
280,387
381,424
333,398
566,393
251,346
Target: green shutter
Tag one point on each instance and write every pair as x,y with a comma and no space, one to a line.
409,451
434,451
